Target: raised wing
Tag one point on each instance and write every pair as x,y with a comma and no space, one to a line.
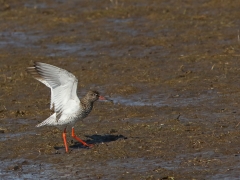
62,83
32,71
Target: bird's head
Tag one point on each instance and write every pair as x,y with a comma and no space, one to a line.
93,96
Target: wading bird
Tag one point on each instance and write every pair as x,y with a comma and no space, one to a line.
68,108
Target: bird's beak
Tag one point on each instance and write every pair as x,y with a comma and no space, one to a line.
102,98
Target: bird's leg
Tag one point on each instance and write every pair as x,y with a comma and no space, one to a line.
79,140
65,139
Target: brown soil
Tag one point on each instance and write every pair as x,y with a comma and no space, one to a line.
171,69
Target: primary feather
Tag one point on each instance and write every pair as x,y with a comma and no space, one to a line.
62,83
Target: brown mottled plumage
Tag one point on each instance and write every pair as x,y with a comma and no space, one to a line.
87,102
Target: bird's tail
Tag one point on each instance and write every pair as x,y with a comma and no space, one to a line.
49,121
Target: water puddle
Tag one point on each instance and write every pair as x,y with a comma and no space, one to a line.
165,100
26,169
7,136
20,39
79,49
35,5
14,125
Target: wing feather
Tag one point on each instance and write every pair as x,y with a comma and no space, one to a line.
62,83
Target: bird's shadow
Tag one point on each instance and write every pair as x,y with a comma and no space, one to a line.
95,139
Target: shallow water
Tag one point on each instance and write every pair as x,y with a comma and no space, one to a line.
25,169
165,99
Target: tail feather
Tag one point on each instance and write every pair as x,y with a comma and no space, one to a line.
49,121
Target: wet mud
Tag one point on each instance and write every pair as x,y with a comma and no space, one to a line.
171,69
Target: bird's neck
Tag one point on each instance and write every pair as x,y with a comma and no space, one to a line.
86,104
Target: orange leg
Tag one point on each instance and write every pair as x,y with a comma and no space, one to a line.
79,140
65,140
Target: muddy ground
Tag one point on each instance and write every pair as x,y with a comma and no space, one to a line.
171,68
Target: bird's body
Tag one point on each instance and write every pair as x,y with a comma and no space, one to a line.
64,100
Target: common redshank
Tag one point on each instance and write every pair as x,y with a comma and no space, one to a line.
64,100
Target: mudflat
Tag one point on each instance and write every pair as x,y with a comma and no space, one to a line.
171,69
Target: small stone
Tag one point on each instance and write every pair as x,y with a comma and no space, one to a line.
16,167
113,131
2,131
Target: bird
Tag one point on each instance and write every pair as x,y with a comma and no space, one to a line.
67,107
